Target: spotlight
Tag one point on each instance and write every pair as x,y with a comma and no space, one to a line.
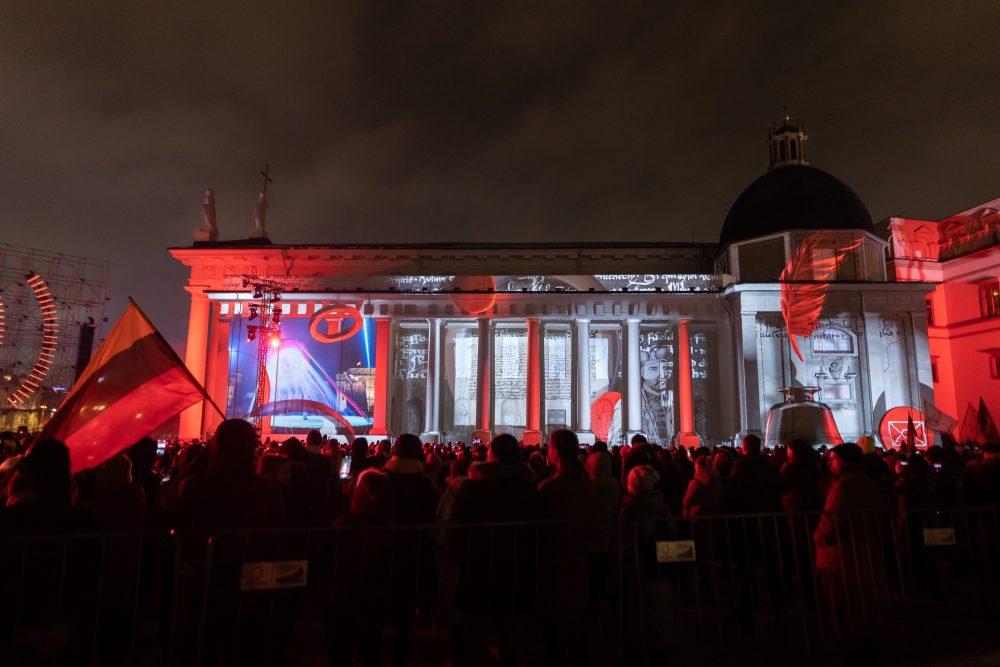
275,340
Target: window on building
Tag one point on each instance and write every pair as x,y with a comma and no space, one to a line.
761,261
832,340
934,369
782,152
989,299
795,150
995,365
929,305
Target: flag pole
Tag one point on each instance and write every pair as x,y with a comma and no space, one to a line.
176,357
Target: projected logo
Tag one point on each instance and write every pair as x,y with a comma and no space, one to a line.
905,427
335,323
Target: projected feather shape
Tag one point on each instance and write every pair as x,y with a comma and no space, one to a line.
805,281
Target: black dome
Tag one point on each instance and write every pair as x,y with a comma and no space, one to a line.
793,197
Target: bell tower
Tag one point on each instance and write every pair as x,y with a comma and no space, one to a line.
787,143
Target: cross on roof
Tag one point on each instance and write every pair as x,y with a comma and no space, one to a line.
265,172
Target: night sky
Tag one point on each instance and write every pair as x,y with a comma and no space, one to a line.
451,121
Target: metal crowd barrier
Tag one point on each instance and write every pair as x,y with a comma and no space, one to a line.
951,556
88,599
374,593
728,589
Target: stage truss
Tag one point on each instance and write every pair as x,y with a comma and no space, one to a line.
52,310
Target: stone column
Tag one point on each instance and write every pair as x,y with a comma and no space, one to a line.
633,378
432,395
484,381
686,436
195,357
752,413
216,371
922,361
533,409
383,340
583,381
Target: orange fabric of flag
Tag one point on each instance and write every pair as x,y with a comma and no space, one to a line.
133,384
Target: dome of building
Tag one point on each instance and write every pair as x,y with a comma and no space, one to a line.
793,196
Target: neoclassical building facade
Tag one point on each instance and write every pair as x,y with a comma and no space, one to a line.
681,342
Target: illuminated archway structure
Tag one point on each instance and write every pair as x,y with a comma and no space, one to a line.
683,342
50,340
51,312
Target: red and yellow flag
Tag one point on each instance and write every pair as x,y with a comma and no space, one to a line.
133,384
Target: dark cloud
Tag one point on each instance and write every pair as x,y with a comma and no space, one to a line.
445,120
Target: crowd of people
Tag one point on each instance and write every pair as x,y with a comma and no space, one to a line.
235,482
311,483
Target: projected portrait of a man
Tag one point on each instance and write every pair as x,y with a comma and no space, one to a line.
657,368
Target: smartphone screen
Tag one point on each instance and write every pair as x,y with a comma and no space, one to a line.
345,468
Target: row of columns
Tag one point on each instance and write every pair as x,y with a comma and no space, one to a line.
533,396
193,420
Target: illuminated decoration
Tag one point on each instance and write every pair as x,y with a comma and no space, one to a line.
805,281
303,407
77,293
961,253
50,339
657,357
333,317
902,425
941,240
504,284
602,413
801,417
302,369
476,303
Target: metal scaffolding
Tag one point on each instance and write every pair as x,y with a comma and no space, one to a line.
51,315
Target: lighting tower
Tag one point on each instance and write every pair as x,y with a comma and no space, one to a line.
266,306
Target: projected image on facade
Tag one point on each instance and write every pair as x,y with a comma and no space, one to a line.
657,350
606,382
510,375
303,368
557,358
410,378
461,354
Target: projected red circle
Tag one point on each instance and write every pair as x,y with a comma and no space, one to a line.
332,319
475,303
895,426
